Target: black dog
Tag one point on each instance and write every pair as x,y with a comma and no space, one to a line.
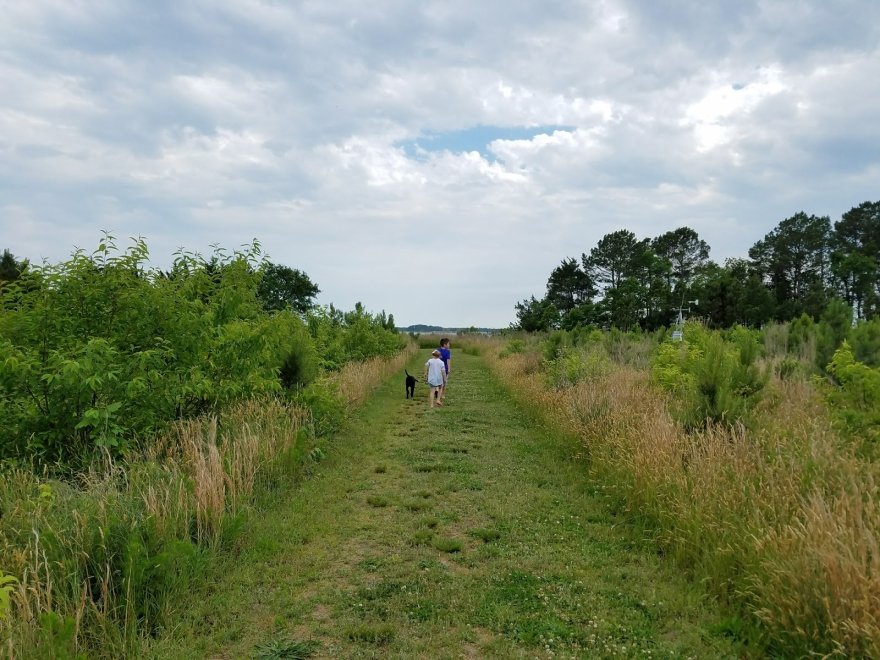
410,385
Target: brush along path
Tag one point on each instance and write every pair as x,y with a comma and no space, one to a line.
461,531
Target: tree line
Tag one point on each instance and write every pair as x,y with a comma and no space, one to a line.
800,267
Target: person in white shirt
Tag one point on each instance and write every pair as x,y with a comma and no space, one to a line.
435,376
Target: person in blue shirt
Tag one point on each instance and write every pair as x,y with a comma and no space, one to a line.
446,356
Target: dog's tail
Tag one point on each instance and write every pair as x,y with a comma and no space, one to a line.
406,372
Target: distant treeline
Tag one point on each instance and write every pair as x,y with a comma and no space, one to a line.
796,269
419,328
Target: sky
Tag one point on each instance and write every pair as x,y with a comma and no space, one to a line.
433,159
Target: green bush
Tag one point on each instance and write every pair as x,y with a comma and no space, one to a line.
715,380
865,342
573,365
854,397
357,335
788,369
556,342
99,353
328,410
514,347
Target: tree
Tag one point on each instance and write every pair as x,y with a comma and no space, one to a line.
624,305
856,258
732,294
569,286
617,256
281,287
685,252
570,291
794,259
536,315
855,277
10,268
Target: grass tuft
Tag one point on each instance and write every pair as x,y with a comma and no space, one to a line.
286,649
422,537
448,545
486,535
377,501
379,634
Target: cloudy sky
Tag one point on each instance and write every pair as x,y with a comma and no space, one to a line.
436,159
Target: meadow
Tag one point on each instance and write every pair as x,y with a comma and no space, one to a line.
151,418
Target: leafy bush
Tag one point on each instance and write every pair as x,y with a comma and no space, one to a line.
357,335
788,368
100,352
326,405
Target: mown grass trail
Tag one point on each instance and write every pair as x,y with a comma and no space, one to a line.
456,532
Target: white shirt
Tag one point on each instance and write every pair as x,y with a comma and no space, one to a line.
436,371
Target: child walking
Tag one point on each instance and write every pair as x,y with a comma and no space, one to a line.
435,376
446,356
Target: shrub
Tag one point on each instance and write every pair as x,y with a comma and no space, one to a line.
788,369
716,381
556,342
855,396
99,351
572,365
514,347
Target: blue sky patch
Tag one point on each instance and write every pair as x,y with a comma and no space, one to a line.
476,138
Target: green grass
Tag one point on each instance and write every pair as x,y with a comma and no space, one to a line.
448,545
286,649
486,535
377,501
507,552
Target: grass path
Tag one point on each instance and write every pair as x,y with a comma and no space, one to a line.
461,532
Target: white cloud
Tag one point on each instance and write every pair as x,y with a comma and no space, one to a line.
710,116
207,122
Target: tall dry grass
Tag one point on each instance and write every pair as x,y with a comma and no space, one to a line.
358,380
95,559
781,521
